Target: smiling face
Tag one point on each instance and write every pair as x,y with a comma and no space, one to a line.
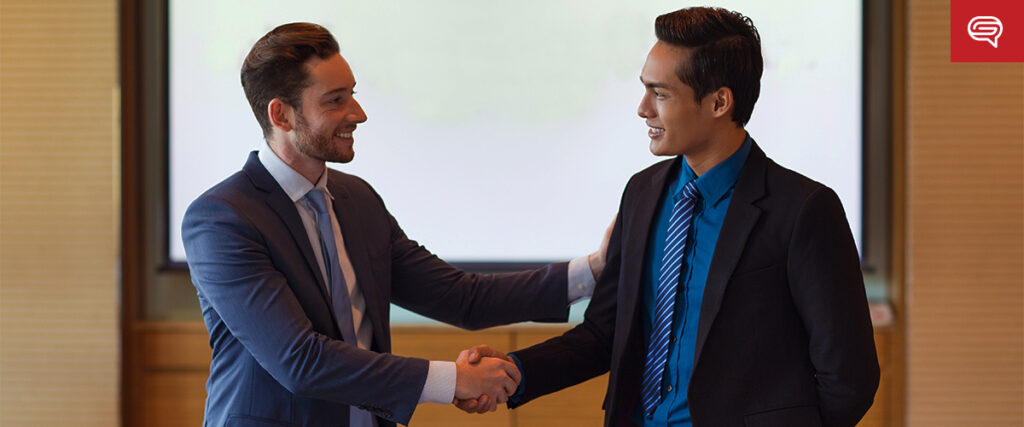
329,115
678,123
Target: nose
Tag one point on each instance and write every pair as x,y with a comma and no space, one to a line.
645,110
356,115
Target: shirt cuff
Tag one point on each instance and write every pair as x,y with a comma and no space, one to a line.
517,397
440,385
581,280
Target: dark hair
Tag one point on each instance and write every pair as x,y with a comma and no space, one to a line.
726,51
275,67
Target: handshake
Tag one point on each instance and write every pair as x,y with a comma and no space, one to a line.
484,378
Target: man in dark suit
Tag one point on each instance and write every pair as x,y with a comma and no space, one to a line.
733,294
295,266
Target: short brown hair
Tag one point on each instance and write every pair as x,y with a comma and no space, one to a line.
275,67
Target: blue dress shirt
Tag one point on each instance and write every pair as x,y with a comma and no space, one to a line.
716,187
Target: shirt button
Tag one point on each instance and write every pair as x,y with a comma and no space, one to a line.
669,387
581,287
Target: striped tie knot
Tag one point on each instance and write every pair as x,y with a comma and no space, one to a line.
690,190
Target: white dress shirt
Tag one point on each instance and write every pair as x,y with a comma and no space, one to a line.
440,384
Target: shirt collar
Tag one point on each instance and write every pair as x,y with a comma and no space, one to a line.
716,183
293,183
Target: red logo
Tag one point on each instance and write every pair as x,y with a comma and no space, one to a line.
986,31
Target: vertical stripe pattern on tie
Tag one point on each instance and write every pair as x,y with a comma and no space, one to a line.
665,299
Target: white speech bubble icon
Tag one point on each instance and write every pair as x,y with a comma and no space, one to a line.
985,29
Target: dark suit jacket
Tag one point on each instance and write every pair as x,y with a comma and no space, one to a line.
784,337
278,356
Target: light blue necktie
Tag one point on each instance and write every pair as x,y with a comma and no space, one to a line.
664,307
335,279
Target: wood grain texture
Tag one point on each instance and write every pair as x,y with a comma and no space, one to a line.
965,232
434,343
177,355
579,405
58,213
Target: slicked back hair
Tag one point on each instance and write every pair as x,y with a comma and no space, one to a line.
725,52
275,66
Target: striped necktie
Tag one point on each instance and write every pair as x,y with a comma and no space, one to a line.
664,307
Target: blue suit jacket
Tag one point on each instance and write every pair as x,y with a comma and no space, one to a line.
278,357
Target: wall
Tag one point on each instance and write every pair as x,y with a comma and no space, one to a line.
58,213
964,232
176,363
963,300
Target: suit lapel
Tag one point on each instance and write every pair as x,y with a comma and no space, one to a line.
739,221
637,235
348,216
637,219
285,209
283,206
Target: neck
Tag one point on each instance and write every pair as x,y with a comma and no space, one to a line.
719,148
308,167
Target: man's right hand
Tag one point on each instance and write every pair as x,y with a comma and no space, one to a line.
493,377
597,259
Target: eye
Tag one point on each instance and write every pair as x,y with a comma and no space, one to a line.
334,100
659,95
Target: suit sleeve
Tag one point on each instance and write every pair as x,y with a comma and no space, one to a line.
425,284
232,271
583,352
828,289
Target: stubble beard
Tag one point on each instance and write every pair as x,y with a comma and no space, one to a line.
317,145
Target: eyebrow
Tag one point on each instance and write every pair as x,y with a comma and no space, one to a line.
653,85
340,89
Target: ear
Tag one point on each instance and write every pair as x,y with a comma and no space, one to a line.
282,115
722,102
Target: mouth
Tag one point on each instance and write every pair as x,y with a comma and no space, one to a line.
654,132
344,135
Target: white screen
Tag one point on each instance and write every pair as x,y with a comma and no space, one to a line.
506,131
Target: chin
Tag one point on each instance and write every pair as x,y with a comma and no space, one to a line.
342,153
336,156
659,149
344,157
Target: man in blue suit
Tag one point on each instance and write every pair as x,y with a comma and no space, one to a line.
295,266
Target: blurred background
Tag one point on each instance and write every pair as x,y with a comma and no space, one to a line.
99,325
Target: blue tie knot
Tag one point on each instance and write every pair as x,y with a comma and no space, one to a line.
318,199
690,190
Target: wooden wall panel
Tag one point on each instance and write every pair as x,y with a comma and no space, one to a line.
178,358
434,343
965,232
175,363
579,405
881,412
58,213
173,398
